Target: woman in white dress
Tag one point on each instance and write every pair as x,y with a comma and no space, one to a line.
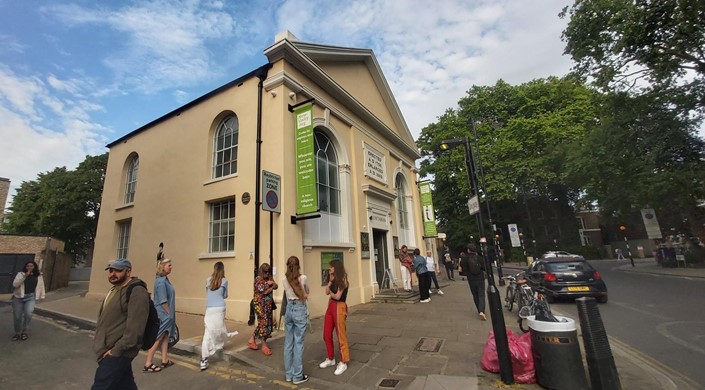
215,333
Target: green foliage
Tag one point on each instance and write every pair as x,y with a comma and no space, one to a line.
623,43
63,204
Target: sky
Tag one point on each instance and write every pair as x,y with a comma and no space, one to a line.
76,75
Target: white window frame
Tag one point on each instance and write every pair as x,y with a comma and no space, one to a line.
225,210
123,239
221,167
131,180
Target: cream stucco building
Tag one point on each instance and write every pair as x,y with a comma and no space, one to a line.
190,180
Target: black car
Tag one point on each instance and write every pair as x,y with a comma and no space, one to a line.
566,277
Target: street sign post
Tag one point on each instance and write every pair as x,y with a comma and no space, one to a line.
271,189
473,205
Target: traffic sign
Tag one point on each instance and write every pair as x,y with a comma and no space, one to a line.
473,205
271,188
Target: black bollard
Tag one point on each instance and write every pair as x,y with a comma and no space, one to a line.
603,371
500,335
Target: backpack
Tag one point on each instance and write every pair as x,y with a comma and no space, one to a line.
474,267
151,328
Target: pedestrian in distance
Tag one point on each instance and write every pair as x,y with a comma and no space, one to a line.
264,303
448,264
165,303
215,332
456,265
620,256
120,327
336,315
431,266
295,320
406,265
473,268
28,288
422,275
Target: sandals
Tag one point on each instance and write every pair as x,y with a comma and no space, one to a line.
252,345
168,363
24,336
151,368
266,350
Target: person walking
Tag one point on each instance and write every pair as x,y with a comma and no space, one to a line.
165,303
336,315
264,301
119,329
473,268
431,267
406,264
295,321
422,275
28,288
620,256
449,265
215,331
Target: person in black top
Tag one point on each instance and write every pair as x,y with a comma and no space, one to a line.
28,287
473,268
336,314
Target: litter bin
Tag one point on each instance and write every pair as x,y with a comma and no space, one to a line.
556,352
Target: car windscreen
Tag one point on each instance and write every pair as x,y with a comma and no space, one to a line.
568,266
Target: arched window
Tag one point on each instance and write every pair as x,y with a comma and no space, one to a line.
402,209
225,147
327,180
131,179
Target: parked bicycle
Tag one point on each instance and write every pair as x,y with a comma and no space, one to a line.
536,306
517,291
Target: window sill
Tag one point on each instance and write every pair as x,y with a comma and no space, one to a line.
217,255
125,206
211,181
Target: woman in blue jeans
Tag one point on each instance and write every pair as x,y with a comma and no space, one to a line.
296,291
28,287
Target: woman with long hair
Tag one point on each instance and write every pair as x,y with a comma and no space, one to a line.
296,291
28,287
165,303
407,264
336,314
215,331
264,301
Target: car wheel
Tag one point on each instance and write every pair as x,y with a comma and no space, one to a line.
602,299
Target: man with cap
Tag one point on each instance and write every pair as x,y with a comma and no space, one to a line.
120,327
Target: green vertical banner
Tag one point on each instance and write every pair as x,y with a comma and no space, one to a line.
429,216
306,192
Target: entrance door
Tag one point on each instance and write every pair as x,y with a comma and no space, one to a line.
379,239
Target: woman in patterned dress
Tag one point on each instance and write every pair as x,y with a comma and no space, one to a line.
264,300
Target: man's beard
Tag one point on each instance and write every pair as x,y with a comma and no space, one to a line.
118,281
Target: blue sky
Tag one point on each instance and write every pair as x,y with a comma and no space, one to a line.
75,75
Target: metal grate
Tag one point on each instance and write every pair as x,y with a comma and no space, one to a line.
427,344
388,383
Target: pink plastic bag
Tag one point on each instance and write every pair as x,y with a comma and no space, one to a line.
520,353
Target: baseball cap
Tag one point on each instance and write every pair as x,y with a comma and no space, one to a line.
120,264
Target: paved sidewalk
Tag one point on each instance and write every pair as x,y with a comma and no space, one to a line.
649,266
384,341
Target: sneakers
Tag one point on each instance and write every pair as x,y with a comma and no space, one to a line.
303,379
232,334
483,316
204,364
341,368
327,363
427,300
439,292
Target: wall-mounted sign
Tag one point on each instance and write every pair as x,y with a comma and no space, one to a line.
306,190
271,198
246,198
375,165
365,245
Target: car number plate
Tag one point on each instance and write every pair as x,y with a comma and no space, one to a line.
579,288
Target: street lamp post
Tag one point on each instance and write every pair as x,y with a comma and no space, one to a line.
495,304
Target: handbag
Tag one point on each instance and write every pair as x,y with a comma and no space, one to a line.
174,338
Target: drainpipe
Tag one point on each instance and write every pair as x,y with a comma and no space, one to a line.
261,75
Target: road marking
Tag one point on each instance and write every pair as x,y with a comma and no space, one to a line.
627,306
663,329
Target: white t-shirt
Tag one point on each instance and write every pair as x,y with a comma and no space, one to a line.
290,294
430,264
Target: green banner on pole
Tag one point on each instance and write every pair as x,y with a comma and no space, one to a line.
429,216
306,192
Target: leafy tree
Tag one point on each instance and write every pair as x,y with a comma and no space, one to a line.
620,42
63,204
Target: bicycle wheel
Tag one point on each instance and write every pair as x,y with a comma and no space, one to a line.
509,298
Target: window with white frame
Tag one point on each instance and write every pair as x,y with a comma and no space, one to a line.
123,241
131,179
225,147
221,236
329,227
